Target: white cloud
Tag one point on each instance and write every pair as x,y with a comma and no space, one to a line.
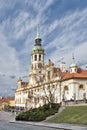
22,24
8,58
71,32
61,37
4,4
40,5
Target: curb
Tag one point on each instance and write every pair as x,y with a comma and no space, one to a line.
52,125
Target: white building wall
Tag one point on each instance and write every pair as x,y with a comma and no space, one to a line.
86,89
80,92
73,89
20,99
58,93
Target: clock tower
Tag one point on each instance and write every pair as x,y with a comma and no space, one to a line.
37,61
37,53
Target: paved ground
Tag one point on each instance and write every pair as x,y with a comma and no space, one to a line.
5,116
55,125
13,126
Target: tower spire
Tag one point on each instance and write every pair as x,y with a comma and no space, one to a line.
38,32
73,58
38,38
37,52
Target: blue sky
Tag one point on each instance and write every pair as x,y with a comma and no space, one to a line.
63,29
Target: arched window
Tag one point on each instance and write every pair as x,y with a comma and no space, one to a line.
71,70
39,57
35,58
75,69
81,86
65,88
31,91
48,74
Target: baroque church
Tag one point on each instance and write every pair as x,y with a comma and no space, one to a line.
50,84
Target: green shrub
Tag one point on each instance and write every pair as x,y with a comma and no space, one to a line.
38,114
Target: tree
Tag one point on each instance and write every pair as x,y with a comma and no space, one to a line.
49,93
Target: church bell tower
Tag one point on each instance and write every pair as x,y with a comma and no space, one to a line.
37,60
37,53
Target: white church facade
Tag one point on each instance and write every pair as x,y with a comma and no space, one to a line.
50,84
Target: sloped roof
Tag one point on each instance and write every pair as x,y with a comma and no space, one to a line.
80,74
4,100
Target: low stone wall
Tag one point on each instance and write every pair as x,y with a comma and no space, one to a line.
79,102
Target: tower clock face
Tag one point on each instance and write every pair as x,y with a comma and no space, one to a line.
40,65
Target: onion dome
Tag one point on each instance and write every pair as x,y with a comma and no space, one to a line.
37,46
38,49
73,65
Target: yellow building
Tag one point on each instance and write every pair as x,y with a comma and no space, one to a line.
7,103
11,102
4,102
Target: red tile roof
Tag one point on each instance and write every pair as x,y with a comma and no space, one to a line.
80,74
4,100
